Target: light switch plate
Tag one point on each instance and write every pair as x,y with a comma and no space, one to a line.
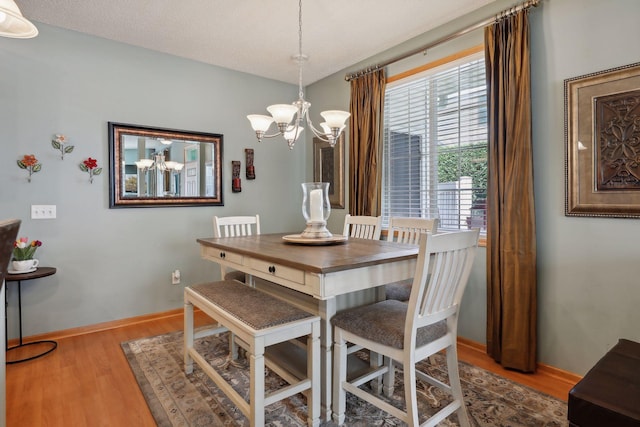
43,211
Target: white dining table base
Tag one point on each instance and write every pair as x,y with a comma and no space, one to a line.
320,279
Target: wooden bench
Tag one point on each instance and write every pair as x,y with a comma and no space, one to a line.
259,321
609,395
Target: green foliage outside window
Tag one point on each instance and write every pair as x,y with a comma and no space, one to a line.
471,160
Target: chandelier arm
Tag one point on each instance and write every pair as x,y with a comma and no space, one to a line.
320,134
272,135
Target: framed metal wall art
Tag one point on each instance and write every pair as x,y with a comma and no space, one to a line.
602,150
328,166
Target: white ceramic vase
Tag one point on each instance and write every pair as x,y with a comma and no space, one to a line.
25,265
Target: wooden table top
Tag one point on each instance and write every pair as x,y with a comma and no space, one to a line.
40,272
354,253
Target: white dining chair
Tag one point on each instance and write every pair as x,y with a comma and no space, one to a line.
407,333
407,230
362,226
235,226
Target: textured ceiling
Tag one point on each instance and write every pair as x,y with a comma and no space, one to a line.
255,36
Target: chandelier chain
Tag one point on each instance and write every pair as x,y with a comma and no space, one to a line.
300,58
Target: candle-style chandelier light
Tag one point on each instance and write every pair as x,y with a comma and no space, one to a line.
290,118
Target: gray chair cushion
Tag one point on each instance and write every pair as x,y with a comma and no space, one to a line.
400,291
249,305
240,276
383,322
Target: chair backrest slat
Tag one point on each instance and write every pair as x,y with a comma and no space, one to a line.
362,226
442,272
236,226
408,230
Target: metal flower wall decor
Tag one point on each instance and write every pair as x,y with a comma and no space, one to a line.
59,142
91,167
30,164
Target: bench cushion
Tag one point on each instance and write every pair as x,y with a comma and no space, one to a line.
250,306
609,395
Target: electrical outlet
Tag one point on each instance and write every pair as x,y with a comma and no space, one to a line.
175,277
43,211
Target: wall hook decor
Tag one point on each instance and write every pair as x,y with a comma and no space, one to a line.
59,142
30,164
91,166
251,171
236,185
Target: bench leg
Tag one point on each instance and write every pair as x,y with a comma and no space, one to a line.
188,336
256,389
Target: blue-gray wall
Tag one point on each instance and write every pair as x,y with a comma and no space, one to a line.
115,264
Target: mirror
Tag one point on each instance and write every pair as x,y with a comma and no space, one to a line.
152,167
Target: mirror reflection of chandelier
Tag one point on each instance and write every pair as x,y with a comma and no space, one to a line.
159,163
158,177
298,112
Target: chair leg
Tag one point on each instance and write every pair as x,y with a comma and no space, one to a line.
314,372
188,336
233,346
375,361
339,376
456,387
410,393
389,378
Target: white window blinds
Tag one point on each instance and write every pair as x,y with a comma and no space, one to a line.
435,146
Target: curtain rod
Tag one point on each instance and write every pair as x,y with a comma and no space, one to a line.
501,15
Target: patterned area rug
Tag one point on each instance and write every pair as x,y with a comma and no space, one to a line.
176,399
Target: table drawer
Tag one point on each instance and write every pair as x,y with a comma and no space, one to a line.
222,255
278,270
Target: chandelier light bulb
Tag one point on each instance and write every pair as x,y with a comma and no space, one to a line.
335,118
259,122
291,136
282,113
13,24
144,163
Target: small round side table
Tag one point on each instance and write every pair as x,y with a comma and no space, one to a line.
38,273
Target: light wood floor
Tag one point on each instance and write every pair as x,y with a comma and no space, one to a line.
87,381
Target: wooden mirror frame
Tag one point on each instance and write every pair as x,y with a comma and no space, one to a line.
118,197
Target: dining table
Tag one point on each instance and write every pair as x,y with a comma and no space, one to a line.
322,276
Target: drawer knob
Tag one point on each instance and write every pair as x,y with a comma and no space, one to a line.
272,269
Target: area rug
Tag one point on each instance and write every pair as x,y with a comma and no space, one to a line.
176,399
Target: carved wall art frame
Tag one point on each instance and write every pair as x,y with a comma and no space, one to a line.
328,166
602,149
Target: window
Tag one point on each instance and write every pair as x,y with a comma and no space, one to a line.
435,146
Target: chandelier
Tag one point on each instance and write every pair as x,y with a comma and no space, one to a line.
13,24
290,118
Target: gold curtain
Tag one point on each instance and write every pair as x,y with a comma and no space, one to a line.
511,227
365,124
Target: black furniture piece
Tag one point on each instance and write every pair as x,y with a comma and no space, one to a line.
609,395
49,344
